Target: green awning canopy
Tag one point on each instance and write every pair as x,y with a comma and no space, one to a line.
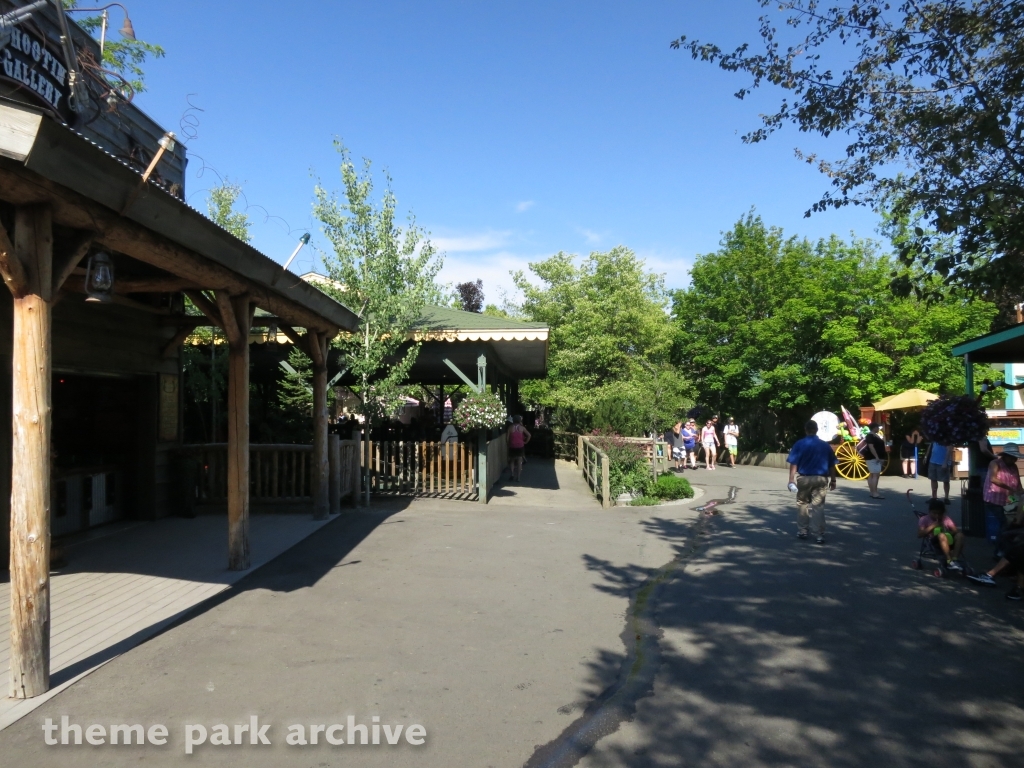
1006,346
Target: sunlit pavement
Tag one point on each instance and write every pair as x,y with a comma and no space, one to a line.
496,626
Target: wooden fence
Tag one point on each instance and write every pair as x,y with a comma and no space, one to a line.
277,473
594,463
421,468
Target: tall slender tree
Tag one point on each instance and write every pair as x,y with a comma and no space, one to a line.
383,271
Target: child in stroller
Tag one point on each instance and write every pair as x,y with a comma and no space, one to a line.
940,539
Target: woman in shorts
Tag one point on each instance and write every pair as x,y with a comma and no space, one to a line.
709,440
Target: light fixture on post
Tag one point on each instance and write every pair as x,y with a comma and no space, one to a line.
99,278
166,144
127,30
304,240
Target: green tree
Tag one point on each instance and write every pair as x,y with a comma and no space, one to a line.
776,328
385,272
929,86
610,342
220,204
122,56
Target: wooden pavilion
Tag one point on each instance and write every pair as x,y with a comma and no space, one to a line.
97,249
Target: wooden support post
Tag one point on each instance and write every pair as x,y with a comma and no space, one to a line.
334,462
317,350
27,270
357,469
235,312
481,467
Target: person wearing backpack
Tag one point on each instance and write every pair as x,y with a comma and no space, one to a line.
518,437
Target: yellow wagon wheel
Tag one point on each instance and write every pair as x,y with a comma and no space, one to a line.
850,464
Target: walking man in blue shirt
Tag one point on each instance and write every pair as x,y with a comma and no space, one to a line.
812,473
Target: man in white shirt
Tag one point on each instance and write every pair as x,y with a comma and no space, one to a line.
732,435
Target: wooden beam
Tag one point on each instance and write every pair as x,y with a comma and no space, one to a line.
31,368
194,321
204,305
232,323
316,348
238,432
179,338
154,285
67,263
20,186
33,247
76,284
293,336
11,268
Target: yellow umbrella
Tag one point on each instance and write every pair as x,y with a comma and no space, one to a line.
904,401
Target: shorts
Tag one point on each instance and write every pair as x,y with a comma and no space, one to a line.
516,453
906,451
691,448
938,472
949,538
677,453
874,466
734,449
708,446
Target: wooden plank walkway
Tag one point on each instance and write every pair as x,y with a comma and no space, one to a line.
127,582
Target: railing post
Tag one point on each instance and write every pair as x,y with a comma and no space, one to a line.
606,500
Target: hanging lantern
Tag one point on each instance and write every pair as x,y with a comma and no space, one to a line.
99,278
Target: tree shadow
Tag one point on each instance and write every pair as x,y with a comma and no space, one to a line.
780,652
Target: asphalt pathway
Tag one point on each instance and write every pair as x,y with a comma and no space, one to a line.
499,628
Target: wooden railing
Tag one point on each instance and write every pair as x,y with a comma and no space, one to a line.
595,465
421,468
564,445
276,472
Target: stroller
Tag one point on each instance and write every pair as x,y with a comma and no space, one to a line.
929,552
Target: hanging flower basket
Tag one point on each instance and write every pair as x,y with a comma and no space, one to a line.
954,420
479,411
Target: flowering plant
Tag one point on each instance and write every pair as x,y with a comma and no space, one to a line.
954,420
479,411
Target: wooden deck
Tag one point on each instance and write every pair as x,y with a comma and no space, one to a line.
126,582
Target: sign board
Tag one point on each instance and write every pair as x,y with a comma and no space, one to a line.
828,425
1004,435
28,61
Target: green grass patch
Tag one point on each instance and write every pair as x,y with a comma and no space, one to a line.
645,501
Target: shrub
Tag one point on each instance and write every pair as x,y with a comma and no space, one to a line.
628,468
671,487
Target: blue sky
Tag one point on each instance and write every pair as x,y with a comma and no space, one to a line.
511,130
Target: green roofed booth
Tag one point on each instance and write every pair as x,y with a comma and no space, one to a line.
1000,348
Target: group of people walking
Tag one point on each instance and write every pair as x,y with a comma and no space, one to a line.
686,442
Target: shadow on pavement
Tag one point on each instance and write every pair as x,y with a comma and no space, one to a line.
781,652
